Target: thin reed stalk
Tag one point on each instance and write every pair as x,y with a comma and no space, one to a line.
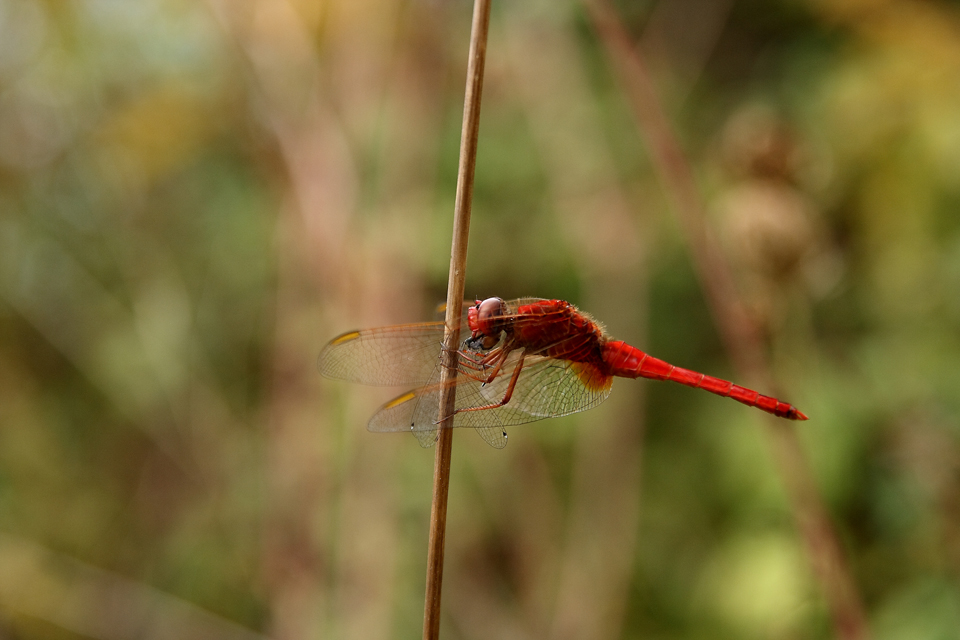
455,288
740,335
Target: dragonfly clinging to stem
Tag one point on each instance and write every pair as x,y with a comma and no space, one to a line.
523,360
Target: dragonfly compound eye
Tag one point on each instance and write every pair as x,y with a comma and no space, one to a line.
487,313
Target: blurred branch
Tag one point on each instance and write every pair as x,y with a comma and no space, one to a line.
679,47
740,335
455,286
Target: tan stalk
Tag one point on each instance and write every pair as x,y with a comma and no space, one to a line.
455,287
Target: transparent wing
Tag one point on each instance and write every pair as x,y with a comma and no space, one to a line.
545,388
513,305
387,356
396,355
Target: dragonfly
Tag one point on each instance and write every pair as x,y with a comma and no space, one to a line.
522,360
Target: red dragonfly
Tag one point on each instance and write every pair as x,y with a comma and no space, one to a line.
524,360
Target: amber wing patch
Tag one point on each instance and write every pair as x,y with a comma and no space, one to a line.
591,376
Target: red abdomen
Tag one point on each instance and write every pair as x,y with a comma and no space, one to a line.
629,362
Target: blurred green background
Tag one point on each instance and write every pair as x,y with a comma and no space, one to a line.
196,195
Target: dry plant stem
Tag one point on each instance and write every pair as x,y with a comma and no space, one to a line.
736,329
740,336
455,287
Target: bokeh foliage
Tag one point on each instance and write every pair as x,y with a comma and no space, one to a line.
195,196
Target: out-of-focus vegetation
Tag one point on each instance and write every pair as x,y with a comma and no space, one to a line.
195,196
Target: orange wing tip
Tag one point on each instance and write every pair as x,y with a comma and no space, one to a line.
347,337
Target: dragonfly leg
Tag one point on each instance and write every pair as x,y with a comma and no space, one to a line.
472,359
481,362
480,366
473,376
502,357
509,392
506,396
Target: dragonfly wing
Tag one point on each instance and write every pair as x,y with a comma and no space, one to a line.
418,411
406,354
516,303
545,388
496,437
387,356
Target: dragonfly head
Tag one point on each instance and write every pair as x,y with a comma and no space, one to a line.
485,320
